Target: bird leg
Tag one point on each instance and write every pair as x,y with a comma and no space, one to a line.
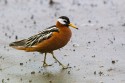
64,67
44,62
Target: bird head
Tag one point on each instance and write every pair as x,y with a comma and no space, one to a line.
65,21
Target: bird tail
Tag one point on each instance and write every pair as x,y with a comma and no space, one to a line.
20,45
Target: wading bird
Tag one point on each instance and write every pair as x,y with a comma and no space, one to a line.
47,40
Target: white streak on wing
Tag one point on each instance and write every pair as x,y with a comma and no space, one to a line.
45,34
33,41
44,37
49,29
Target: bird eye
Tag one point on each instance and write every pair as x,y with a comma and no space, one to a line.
65,21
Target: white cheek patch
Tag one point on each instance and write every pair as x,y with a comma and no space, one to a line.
61,21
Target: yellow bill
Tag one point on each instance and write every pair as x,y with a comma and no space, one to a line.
72,25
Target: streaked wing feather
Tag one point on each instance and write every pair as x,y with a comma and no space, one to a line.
45,34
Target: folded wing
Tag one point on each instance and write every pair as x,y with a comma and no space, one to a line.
35,39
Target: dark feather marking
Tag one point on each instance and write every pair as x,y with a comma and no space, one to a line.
18,43
45,34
